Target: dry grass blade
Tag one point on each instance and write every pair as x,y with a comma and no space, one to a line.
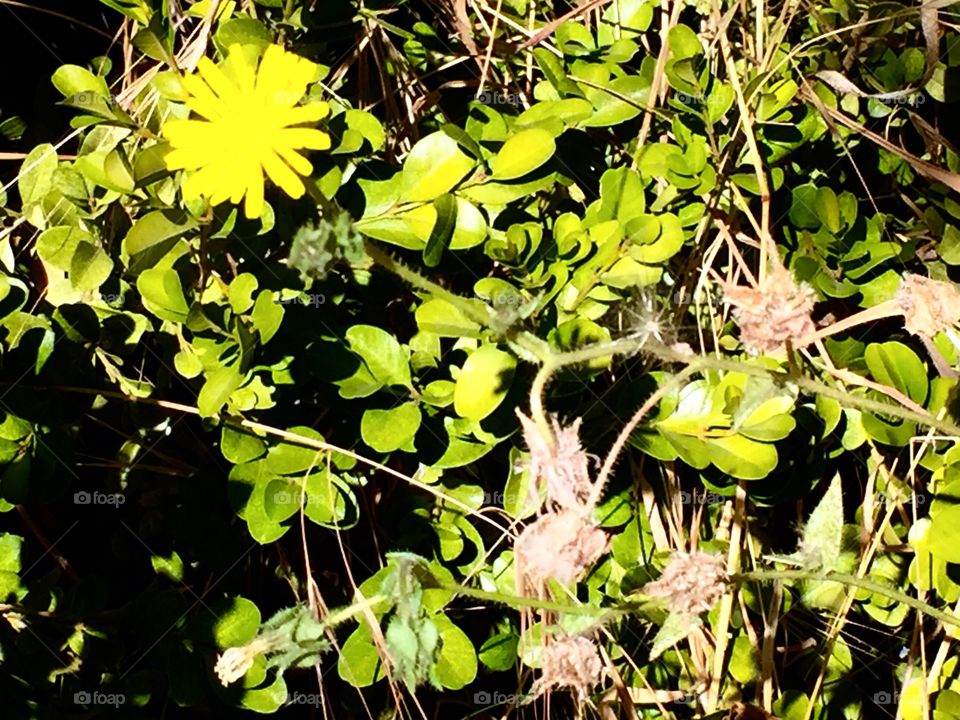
549,28
927,169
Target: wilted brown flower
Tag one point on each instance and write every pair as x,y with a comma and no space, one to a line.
691,582
563,466
234,662
16,620
560,545
928,306
570,662
776,311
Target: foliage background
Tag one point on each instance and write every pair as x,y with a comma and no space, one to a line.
601,187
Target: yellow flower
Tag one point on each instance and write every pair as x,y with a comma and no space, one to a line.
249,124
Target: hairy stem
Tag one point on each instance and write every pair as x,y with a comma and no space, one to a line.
852,580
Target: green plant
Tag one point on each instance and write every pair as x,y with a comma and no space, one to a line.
589,359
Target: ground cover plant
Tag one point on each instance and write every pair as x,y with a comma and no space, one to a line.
481,359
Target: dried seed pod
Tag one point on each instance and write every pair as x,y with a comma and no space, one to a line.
561,546
570,662
560,464
692,582
929,306
776,311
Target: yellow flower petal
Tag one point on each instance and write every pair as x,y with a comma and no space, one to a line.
302,114
282,175
253,205
243,69
202,99
271,80
217,80
304,137
295,160
190,132
248,128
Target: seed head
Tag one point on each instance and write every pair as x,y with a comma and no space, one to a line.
692,582
570,662
929,306
561,546
776,311
563,466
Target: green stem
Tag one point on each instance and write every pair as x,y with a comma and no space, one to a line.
516,601
344,614
852,580
552,360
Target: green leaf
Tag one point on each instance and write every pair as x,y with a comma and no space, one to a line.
389,430
441,317
942,539
949,249
522,154
163,295
90,267
242,30
683,42
240,446
483,382
359,663
241,291
10,547
170,566
457,664
217,389
267,316
742,458
674,629
821,544
828,209
433,167
744,663
245,490
803,208
384,357
266,700
35,180
58,245
238,620
72,80
499,652
328,499
895,365
616,102
152,236
443,229
292,458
